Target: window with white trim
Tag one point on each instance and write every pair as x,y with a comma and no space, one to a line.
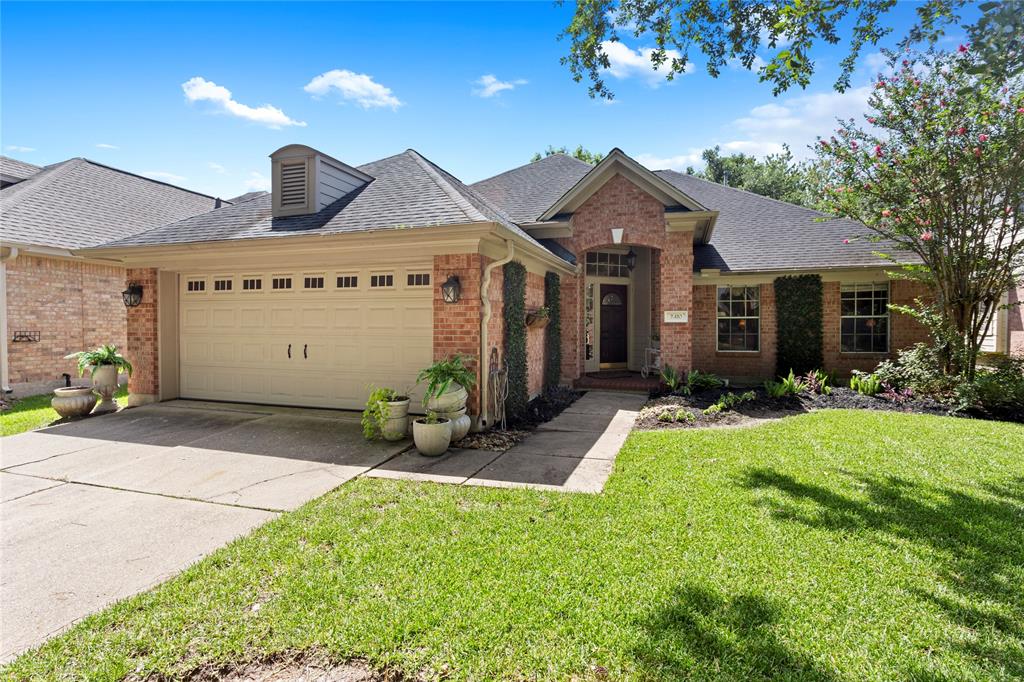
864,318
739,319
382,281
418,279
252,284
281,283
607,264
222,284
313,282
348,282
195,286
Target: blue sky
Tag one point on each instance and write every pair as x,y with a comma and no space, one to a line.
200,94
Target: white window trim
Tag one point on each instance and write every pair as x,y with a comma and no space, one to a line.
242,289
284,275
380,274
217,278
718,348
189,280
887,316
409,273
322,275
357,275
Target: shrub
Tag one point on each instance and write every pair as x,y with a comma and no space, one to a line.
698,381
798,306
897,395
865,383
918,368
731,400
443,373
374,415
553,338
98,357
998,388
670,377
817,382
786,386
514,291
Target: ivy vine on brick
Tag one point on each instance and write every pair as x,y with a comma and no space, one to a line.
515,340
798,306
553,339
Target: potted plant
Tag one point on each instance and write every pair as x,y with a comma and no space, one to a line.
448,382
432,434
105,364
539,318
73,401
386,415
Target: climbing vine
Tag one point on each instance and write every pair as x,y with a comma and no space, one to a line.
514,295
798,306
553,340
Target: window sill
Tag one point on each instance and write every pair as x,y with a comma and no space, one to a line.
734,353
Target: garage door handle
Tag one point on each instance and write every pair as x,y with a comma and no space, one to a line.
289,351
304,347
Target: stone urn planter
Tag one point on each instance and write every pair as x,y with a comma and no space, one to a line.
432,439
396,418
104,381
452,400
73,401
460,423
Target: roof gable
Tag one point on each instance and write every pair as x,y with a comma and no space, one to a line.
525,192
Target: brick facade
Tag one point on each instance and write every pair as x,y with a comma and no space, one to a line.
706,356
73,305
535,337
572,328
457,325
143,346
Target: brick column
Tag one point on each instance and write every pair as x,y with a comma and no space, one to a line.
572,328
143,341
457,325
677,294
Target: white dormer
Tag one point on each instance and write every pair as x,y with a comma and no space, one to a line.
305,180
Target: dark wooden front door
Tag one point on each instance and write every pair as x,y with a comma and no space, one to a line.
613,325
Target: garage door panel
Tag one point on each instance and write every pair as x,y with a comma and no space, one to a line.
251,317
195,317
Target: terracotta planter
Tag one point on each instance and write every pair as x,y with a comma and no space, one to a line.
452,400
104,380
74,401
432,440
460,423
396,420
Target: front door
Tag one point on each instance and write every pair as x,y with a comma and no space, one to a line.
613,325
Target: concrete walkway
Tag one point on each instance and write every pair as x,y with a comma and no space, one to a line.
574,452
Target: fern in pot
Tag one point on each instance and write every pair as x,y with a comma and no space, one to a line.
448,383
104,363
386,415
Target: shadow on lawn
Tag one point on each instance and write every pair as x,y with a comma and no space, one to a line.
976,544
701,633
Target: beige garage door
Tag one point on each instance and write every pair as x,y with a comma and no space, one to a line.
315,339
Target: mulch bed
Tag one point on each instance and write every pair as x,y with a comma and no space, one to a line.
541,409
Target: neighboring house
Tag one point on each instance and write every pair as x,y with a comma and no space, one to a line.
333,281
52,301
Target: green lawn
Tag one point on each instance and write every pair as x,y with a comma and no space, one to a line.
831,546
34,412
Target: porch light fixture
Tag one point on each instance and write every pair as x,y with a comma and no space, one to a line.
617,235
631,259
132,296
451,290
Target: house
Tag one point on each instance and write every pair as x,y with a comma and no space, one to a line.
52,301
333,281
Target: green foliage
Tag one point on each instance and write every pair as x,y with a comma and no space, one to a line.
670,377
553,339
432,417
865,383
34,412
817,381
443,373
997,388
936,174
730,400
680,415
798,310
585,155
98,357
776,176
788,385
712,409
918,368
515,340
697,381
375,412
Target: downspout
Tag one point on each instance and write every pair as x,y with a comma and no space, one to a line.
485,302
12,253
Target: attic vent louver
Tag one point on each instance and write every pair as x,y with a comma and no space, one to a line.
293,184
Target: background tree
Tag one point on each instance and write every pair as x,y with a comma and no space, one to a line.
580,153
724,31
938,171
776,176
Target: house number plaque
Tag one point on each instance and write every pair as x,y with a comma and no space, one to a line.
677,316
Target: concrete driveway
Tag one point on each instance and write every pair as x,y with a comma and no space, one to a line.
98,510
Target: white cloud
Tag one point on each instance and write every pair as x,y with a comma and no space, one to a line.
491,86
217,168
357,87
199,90
257,182
765,37
627,63
19,148
104,145
756,65
678,162
164,175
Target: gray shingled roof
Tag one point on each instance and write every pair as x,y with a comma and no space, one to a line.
20,170
407,191
524,193
246,197
79,203
758,233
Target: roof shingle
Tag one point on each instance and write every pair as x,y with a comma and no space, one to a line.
524,193
19,170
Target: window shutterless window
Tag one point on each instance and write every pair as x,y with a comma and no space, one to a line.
252,284
739,318
380,281
418,279
281,283
864,318
314,282
196,286
348,281
222,284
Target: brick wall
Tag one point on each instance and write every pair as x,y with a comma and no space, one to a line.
457,325
705,337
620,203
572,328
534,337
1015,323
73,305
142,348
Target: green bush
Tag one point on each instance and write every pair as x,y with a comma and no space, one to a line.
553,340
865,383
798,310
997,388
515,340
786,386
670,377
918,368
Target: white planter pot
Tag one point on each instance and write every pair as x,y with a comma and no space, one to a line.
432,439
452,400
75,401
396,424
104,380
460,423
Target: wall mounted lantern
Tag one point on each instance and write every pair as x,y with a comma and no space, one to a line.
132,296
631,259
451,290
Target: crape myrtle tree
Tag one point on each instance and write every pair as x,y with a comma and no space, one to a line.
937,170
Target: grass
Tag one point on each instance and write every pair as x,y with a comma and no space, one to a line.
34,412
838,545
